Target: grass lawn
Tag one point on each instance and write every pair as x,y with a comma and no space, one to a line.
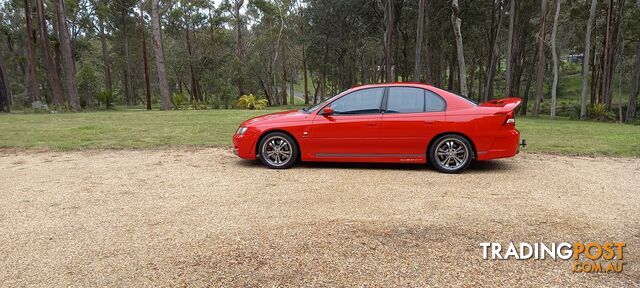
143,129
579,137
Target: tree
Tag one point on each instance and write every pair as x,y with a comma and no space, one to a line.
32,76
455,20
389,15
68,63
554,51
540,74
237,5
417,69
608,54
301,25
507,74
585,59
5,92
635,82
52,70
145,59
493,55
100,8
165,101
127,70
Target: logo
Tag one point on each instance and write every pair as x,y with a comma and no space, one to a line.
590,257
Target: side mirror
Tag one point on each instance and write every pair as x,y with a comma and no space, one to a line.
327,111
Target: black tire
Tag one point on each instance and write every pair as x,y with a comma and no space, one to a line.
275,147
444,155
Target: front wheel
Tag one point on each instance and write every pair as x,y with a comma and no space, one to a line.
450,153
278,151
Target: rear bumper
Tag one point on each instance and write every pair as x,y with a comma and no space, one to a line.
505,145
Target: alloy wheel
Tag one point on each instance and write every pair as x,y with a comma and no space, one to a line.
451,154
277,151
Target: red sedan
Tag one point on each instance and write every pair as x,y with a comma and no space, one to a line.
392,122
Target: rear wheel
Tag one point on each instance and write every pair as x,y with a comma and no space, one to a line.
450,153
278,151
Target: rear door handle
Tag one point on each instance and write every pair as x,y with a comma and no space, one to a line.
370,124
429,122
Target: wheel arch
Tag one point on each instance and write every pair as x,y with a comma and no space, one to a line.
267,132
433,140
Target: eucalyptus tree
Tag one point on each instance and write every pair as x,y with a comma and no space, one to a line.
156,11
68,63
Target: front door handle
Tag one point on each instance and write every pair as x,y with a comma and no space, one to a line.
370,124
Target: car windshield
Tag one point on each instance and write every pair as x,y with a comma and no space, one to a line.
321,104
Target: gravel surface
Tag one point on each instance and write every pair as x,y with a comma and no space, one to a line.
203,217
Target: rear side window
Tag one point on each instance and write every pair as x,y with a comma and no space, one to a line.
365,101
405,100
434,103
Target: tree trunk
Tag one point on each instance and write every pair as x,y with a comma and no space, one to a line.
128,74
33,89
165,101
473,78
194,84
455,20
540,74
389,14
488,92
635,90
5,92
284,77
145,60
417,69
239,52
554,51
304,59
594,70
68,63
105,57
585,59
507,74
52,70
304,77
610,53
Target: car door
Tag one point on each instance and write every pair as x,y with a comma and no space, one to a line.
352,131
411,117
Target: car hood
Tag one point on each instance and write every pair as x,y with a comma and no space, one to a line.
284,116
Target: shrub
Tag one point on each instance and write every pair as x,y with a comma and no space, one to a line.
106,97
251,102
600,112
178,100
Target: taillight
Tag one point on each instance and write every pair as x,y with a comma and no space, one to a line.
511,119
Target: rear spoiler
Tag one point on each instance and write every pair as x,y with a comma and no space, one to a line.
507,104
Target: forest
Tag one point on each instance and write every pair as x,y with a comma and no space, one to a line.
577,59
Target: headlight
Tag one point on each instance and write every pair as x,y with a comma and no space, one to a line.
241,130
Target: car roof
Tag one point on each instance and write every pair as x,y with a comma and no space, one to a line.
412,84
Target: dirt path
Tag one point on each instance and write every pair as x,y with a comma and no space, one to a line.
172,217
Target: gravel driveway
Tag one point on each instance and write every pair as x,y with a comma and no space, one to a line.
202,216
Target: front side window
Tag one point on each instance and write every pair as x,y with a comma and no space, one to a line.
405,100
365,101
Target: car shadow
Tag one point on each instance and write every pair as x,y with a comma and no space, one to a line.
477,167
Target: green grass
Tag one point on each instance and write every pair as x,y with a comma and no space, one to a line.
580,137
121,129
143,129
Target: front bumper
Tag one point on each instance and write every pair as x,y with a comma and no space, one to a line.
244,146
